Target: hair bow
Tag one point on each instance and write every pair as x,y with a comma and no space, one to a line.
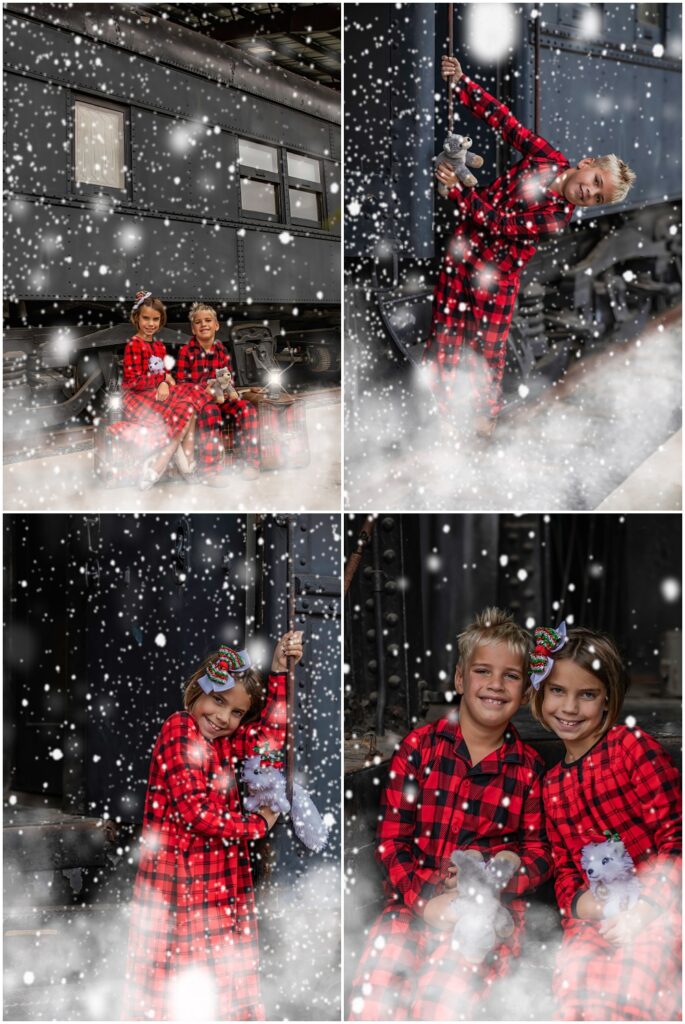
143,298
547,642
218,678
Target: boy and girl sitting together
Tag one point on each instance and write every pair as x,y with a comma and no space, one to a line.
472,784
180,417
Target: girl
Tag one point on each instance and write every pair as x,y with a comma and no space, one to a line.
202,358
164,414
614,781
193,934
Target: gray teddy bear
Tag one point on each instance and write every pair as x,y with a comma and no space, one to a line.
456,154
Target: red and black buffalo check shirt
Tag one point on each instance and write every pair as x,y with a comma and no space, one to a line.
436,802
503,222
195,366
627,784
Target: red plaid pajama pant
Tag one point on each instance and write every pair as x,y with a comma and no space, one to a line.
209,444
156,422
467,350
408,971
597,981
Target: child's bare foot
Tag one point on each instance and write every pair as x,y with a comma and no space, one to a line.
485,427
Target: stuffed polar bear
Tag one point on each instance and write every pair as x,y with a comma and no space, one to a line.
610,871
266,788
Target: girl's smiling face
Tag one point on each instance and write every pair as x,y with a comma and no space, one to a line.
574,706
220,714
148,322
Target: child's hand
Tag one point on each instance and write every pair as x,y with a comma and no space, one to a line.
451,882
290,645
450,69
163,392
624,928
170,380
440,913
446,175
270,816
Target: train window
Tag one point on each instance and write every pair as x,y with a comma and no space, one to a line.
304,205
257,157
305,189
259,197
304,167
99,146
649,22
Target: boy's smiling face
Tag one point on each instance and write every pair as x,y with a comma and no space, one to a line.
492,687
205,328
588,184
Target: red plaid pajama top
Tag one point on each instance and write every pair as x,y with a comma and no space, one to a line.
197,366
193,931
628,784
155,422
435,802
501,225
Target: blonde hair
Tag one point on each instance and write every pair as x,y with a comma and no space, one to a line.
493,626
251,680
598,654
624,177
152,303
201,307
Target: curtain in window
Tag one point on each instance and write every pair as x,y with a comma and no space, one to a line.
99,146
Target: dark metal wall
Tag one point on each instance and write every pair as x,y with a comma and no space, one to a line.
57,238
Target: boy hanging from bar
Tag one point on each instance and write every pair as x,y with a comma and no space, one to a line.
500,227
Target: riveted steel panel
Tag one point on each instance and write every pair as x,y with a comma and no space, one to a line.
35,159
281,267
182,168
98,253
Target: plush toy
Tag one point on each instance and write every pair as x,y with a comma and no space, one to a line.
456,154
221,386
481,920
266,788
610,871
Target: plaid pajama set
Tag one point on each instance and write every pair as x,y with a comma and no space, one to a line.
197,366
436,802
476,291
193,902
151,423
625,783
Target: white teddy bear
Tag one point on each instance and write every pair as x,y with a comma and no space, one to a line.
481,920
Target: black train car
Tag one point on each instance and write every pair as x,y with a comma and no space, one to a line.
589,77
142,153
106,616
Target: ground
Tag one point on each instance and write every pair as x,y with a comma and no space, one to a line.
65,481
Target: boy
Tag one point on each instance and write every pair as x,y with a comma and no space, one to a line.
501,225
198,361
470,784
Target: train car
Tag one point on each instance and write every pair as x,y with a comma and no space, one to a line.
591,78
140,153
107,616
420,581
